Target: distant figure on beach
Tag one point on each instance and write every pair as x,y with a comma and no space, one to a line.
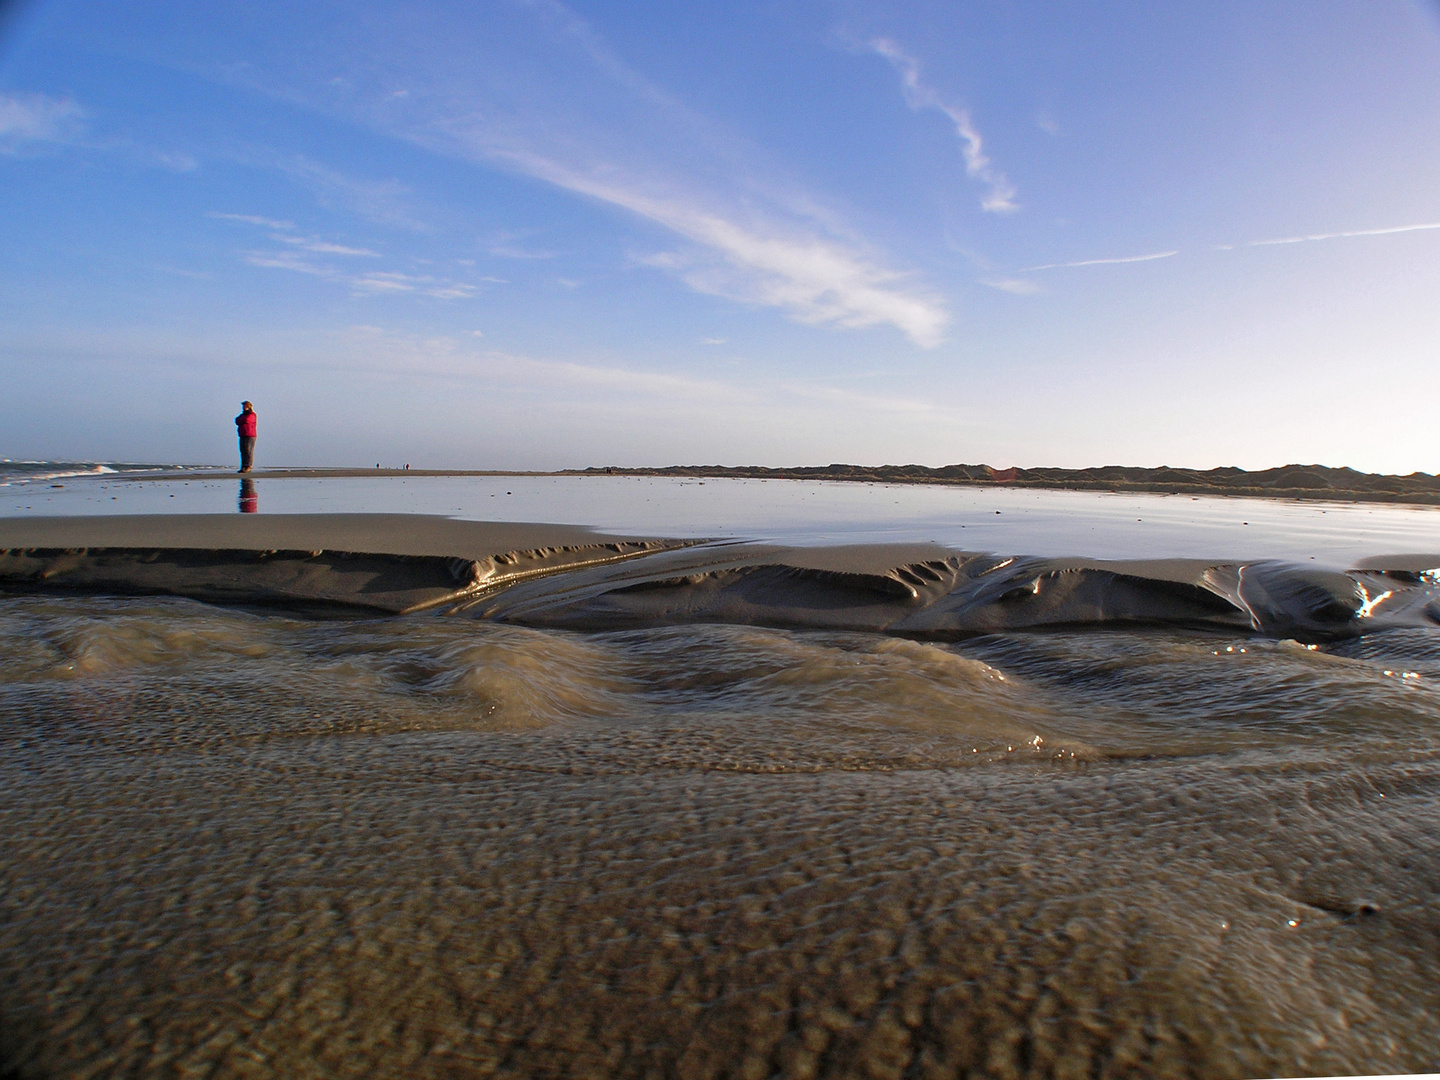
245,424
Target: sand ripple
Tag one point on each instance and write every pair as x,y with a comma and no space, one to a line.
247,845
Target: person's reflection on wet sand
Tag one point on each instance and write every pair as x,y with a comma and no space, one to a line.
249,497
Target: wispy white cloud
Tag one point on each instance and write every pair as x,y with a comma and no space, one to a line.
285,260
1391,231
455,290
36,118
380,282
385,202
373,282
392,282
1100,262
603,132
324,247
1017,286
1000,199
511,246
176,160
818,281
253,219
30,121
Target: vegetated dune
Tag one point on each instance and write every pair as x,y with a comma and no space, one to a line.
1289,482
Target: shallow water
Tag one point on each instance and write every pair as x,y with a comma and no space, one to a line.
1010,521
240,843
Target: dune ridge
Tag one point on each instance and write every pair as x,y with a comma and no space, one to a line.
1288,482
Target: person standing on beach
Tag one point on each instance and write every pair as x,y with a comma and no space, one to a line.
245,425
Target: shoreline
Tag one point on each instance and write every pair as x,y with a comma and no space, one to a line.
1292,482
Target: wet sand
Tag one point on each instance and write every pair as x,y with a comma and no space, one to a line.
395,534
559,825
383,562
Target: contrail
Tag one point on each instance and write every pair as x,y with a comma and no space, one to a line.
1100,262
1337,235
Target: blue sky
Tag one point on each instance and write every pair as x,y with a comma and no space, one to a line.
516,234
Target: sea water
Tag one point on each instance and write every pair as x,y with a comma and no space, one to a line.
1011,521
239,842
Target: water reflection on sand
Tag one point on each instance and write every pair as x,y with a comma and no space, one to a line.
1007,520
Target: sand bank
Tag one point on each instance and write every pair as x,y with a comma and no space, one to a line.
564,577
392,563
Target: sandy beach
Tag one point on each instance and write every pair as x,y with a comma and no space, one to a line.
418,797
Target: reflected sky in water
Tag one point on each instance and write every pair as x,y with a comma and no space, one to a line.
1007,520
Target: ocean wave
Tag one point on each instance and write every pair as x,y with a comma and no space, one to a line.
18,473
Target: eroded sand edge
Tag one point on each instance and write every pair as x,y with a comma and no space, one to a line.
567,577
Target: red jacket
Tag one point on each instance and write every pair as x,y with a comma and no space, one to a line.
246,423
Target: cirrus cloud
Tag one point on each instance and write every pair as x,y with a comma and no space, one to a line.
489,95
36,118
817,280
1000,198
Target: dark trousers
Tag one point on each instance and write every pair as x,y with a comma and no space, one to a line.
247,451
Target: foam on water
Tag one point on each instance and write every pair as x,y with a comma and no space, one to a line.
23,474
